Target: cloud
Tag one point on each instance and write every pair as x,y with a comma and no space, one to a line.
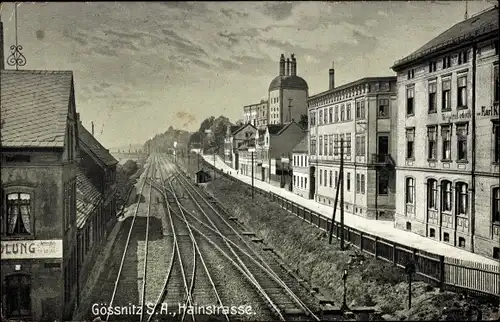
78,37
279,10
382,13
230,13
371,23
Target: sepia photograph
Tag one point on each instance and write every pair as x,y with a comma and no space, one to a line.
250,161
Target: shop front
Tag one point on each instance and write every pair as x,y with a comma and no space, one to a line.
32,280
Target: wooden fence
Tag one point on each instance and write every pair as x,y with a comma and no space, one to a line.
447,273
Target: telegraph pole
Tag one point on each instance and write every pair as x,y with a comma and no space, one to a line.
341,179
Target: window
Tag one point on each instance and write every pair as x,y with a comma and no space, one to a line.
326,144
410,140
330,114
313,146
362,184
18,303
336,178
432,66
446,62
294,180
410,94
331,178
320,145
408,226
383,108
446,237
313,118
446,95
330,145
411,73
336,113
496,84
358,182
18,213
495,207
360,110
461,242
348,145
348,185
320,177
410,191
320,117
462,57
325,116
432,232
462,130
432,98
446,196
462,199
383,183
342,113
337,144
462,92
496,142
348,111
326,182
301,182
432,192
432,142
446,137
305,183
496,252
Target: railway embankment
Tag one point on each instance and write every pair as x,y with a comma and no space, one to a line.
370,282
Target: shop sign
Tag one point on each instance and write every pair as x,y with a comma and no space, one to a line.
489,111
31,249
462,115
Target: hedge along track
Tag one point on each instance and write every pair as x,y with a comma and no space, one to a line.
261,268
149,172
177,245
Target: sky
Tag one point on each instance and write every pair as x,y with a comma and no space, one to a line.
140,67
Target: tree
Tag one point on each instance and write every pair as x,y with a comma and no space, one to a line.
304,121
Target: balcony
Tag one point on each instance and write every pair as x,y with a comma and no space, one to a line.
383,160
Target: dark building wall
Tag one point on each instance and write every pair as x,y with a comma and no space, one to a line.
93,171
46,286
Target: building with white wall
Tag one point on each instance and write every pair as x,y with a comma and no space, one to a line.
300,169
448,134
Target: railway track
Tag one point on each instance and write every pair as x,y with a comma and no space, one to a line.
209,225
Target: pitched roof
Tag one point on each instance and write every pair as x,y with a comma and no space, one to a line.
234,128
301,146
481,24
94,146
34,107
275,128
242,127
87,198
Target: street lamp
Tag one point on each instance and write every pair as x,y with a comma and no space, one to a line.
252,150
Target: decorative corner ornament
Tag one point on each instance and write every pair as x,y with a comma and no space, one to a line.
16,57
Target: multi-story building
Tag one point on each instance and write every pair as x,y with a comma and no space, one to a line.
235,137
257,114
288,93
362,114
300,169
38,189
448,117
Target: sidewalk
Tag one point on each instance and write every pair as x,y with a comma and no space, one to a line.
383,229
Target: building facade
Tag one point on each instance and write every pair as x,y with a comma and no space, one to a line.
38,232
257,114
288,93
235,137
448,112
363,115
300,169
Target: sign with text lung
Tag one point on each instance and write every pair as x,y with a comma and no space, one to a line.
31,249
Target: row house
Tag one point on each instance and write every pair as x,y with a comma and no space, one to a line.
300,169
235,137
362,114
448,116
38,188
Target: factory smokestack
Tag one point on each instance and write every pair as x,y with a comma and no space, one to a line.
332,76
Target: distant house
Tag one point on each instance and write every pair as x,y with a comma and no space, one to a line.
300,167
202,176
235,137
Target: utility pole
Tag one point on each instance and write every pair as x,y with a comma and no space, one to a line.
337,184
342,194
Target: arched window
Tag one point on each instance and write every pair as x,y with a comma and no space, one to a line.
18,303
462,199
432,194
446,196
410,195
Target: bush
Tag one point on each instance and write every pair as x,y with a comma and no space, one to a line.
130,167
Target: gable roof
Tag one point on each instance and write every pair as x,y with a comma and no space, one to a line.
34,107
87,198
275,128
233,128
242,127
90,142
467,30
301,146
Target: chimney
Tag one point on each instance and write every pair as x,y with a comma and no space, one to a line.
332,76
282,65
287,67
293,68
2,62
92,128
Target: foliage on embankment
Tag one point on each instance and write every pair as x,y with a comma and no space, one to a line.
305,249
